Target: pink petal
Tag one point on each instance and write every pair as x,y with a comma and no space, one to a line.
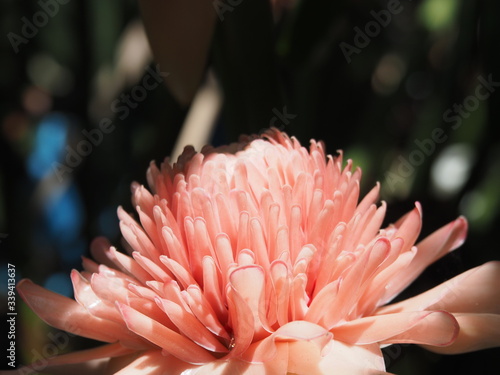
376,292
242,323
89,265
246,257
234,366
477,332
227,221
212,289
176,249
348,359
427,327
429,250
67,315
321,221
224,253
259,245
99,248
155,269
203,200
304,357
351,199
475,290
117,290
152,238
372,226
191,327
104,351
249,282
299,299
279,299
155,363
128,265
369,199
182,275
409,226
203,311
295,231
86,297
165,338
110,288
268,349
320,311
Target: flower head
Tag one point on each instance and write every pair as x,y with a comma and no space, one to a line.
258,257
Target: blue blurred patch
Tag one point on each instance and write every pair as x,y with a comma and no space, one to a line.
60,283
50,139
63,219
108,222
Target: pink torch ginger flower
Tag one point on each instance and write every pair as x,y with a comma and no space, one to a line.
257,258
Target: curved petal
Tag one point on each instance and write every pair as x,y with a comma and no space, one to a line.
172,342
67,315
409,226
353,360
430,249
300,330
477,332
155,363
202,309
249,283
128,265
99,248
475,290
319,309
191,327
235,366
241,319
424,327
86,297
104,351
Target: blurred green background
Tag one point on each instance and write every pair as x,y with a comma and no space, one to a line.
406,88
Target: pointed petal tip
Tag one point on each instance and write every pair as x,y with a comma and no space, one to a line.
100,241
74,274
23,286
461,227
134,186
123,309
418,208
